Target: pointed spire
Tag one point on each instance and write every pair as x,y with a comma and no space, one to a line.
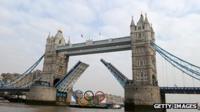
132,22
69,42
141,17
141,20
146,19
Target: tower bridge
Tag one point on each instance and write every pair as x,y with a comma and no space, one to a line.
56,84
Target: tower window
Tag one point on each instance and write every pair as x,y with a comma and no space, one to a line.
139,35
60,41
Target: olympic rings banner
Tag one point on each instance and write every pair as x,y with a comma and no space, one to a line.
88,98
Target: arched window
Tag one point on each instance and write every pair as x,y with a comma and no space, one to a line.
56,81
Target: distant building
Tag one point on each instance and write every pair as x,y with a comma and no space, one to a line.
114,99
10,77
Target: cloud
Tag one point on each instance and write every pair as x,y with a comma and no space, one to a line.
25,24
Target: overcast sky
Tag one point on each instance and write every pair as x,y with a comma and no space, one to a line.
25,25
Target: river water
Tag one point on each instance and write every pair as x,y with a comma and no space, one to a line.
14,107
17,107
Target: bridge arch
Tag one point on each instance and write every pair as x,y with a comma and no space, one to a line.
55,81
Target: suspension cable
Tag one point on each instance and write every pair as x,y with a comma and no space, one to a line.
27,72
180,65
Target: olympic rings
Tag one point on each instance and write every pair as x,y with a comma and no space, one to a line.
78,94
88,97
100,96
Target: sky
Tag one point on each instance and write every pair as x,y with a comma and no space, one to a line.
25,25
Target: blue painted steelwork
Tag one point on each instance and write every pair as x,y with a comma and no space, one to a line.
66,83
186,67
61,94
121,78
180,90
70,71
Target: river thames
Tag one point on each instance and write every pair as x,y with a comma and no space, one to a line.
17,107
14,107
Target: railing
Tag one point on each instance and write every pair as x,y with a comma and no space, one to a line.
95,43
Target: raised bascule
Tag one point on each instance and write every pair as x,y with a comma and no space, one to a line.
55,84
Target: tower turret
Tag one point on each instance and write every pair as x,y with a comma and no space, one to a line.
132,22
59,38
132,26
146,23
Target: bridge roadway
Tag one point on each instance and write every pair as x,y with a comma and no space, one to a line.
165,90
100,46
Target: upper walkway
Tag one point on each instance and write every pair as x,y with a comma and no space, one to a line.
100,46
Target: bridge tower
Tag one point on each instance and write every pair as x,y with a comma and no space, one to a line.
55,64
54,68
143,89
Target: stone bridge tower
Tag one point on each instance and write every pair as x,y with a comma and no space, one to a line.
54,68
143,89
55,64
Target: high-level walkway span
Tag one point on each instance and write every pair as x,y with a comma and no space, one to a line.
92,47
